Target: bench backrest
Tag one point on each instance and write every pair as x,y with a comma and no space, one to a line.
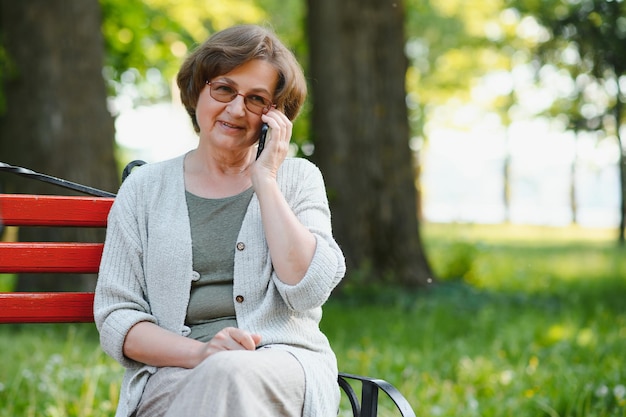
50,257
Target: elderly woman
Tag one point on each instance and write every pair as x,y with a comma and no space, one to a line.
216,264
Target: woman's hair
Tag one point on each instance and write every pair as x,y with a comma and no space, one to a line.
235,46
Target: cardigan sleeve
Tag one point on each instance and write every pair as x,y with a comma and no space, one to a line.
120,292
306,194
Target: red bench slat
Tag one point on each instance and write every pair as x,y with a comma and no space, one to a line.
75,258
40,210
58,307
50,257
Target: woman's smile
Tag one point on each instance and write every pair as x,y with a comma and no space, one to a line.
229,126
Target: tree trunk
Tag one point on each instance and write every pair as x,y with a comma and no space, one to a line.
506,178
56,120
361,135
573,197
622,169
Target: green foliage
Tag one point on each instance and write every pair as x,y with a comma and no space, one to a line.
146,41
450,45
151,38
456,260
583,39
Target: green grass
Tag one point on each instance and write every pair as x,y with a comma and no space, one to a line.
7,282
526,321
56,370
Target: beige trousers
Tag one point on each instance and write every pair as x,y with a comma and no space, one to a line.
238,383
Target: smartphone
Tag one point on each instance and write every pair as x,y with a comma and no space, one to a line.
264,132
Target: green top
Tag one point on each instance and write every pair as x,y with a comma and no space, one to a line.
215,224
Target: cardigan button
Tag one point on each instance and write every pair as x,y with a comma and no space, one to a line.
195,275
239,299
241,246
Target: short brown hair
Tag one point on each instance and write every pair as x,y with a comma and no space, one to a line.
235,46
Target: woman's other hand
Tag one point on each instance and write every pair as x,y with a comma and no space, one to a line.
148,343
232,338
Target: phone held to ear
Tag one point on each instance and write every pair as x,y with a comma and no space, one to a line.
264,133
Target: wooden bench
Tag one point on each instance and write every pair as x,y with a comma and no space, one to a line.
77,257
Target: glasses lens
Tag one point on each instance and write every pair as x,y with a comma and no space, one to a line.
222,92
257,104
225,93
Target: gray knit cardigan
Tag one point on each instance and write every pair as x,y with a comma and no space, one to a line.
146,275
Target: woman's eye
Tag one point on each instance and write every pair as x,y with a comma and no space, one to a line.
258,99
225,89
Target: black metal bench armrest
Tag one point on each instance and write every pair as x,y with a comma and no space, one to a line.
368,406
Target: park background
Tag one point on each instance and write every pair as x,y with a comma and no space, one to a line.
527,315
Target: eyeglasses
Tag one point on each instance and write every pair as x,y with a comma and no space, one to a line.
225,93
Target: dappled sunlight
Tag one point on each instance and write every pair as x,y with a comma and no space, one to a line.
559,333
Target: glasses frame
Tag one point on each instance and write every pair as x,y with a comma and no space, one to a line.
246,98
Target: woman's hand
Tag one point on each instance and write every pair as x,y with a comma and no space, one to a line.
231,338
148,343
276,146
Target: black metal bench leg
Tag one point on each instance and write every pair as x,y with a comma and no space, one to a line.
370,388
352,397
369,400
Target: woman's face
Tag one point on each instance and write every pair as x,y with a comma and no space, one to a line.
231,126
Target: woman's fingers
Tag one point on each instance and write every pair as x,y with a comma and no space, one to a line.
276,145
242,338
232,338
281,127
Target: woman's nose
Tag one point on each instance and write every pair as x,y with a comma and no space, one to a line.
238,105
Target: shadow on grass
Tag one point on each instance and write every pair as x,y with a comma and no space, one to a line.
587,295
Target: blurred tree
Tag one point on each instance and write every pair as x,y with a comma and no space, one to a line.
434,47
568,109
586,38
452,45
361,134
55,120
